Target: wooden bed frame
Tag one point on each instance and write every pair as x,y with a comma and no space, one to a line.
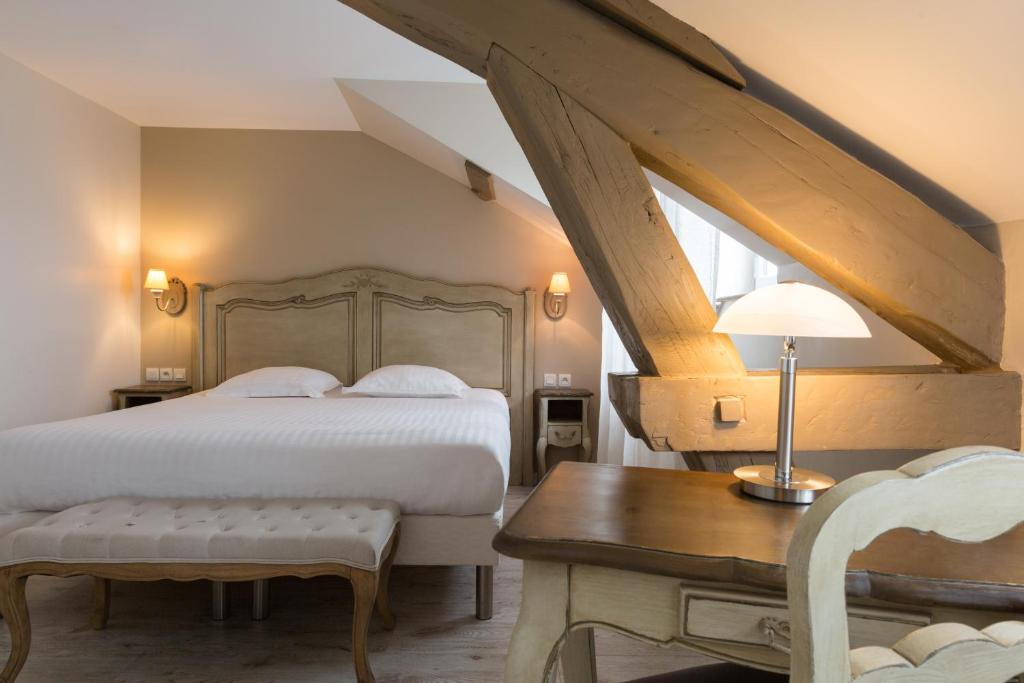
351,321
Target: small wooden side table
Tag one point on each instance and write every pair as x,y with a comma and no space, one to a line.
141,394
562,421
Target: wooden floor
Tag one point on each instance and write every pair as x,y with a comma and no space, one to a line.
162,632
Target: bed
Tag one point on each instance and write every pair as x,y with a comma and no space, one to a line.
447,462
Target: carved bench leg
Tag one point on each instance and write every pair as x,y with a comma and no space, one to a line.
364,586
101,604
15,610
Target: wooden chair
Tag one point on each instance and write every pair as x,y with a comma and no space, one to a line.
966,494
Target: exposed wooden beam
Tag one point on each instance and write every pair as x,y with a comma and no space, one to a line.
853,227
481,182
841,409
612,219
655,24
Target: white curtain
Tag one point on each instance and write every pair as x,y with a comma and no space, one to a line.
700,242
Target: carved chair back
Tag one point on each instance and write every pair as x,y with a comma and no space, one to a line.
968,494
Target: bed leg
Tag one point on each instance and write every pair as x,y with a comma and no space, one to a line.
219,605
260,599
484,592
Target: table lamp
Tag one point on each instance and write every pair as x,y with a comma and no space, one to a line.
789,310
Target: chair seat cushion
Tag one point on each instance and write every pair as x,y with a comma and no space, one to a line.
717,673
281,531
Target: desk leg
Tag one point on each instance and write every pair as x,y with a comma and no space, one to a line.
579,664
533,650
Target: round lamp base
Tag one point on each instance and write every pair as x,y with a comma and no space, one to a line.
805,487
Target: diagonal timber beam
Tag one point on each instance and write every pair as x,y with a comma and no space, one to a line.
608,210
655,24
838,410
850,225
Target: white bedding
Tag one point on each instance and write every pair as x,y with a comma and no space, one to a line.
432,456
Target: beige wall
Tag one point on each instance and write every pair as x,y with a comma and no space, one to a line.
69,228
1007,240
222,205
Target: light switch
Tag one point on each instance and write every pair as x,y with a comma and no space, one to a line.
152,374
550,379
179,374
166,374
564,380
729,408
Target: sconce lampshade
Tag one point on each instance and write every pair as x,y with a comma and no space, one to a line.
156,280
792,309
559,284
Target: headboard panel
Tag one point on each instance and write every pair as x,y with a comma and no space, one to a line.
349,322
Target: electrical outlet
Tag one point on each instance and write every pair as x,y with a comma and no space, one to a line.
179,374
564,380
152,374
166,374
550,379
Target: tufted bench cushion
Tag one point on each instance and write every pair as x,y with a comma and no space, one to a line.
143,539
352,532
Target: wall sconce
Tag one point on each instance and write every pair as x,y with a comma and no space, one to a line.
157,283
556,296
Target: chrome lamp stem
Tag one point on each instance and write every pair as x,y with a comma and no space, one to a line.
782,482
787,401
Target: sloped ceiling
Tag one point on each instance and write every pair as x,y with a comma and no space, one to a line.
929,92
214,63
442,125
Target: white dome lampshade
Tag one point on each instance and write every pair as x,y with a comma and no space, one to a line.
792,309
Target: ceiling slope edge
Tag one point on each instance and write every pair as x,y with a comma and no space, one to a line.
396,132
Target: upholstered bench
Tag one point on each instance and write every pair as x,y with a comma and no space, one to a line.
133,539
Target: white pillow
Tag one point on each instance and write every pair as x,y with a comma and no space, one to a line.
413,381
270,382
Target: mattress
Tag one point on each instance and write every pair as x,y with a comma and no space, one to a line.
445,456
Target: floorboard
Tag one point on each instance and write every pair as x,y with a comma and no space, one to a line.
162,632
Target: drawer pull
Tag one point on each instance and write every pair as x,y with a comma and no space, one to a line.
777,633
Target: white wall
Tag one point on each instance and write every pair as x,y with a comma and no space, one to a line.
69,260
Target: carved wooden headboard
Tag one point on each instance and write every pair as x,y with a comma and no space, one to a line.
349,322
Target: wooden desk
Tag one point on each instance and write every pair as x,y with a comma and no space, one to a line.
683,558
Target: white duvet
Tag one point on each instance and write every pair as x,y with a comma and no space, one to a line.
431,456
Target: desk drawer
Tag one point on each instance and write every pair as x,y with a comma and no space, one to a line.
565,435
741,618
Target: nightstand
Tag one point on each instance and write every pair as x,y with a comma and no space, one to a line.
141,394
562,422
